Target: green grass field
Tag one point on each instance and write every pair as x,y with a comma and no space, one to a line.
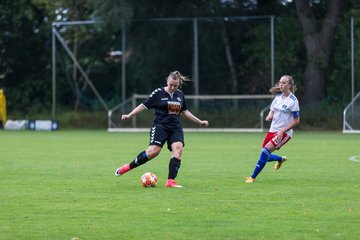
61,185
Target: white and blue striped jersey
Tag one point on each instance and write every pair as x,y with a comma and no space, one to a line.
284,111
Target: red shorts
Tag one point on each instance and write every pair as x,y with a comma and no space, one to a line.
271,137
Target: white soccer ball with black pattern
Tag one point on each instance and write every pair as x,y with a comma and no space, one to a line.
148,180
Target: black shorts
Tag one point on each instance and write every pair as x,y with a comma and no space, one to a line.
159,135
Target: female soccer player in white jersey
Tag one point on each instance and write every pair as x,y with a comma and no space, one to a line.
284,116
169,103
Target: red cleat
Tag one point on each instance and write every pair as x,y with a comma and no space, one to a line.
171,183
121,170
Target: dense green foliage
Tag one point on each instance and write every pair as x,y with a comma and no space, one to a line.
154,48
61,185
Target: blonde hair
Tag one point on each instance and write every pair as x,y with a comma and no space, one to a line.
176,75
276,89
291,82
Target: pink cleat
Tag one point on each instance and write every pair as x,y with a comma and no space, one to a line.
121,170
171,183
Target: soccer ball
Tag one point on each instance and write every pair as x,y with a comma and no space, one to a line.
148,180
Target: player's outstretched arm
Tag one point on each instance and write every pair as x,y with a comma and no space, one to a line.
134,112
187,114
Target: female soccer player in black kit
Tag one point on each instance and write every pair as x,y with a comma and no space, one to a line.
169,103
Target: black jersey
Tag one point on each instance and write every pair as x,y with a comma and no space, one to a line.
167,107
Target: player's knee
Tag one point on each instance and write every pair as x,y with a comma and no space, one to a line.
265,151
177,150
153,151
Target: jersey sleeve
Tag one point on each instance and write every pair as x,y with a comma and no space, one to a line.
295,108
152,100
184,107
295,104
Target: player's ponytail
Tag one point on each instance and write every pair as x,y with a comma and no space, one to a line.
292,83
276,89
176,75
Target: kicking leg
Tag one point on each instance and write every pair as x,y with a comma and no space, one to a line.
151,152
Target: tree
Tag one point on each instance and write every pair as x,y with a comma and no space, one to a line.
319,39
24,63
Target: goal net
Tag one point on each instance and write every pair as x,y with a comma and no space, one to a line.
225,113
351,123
